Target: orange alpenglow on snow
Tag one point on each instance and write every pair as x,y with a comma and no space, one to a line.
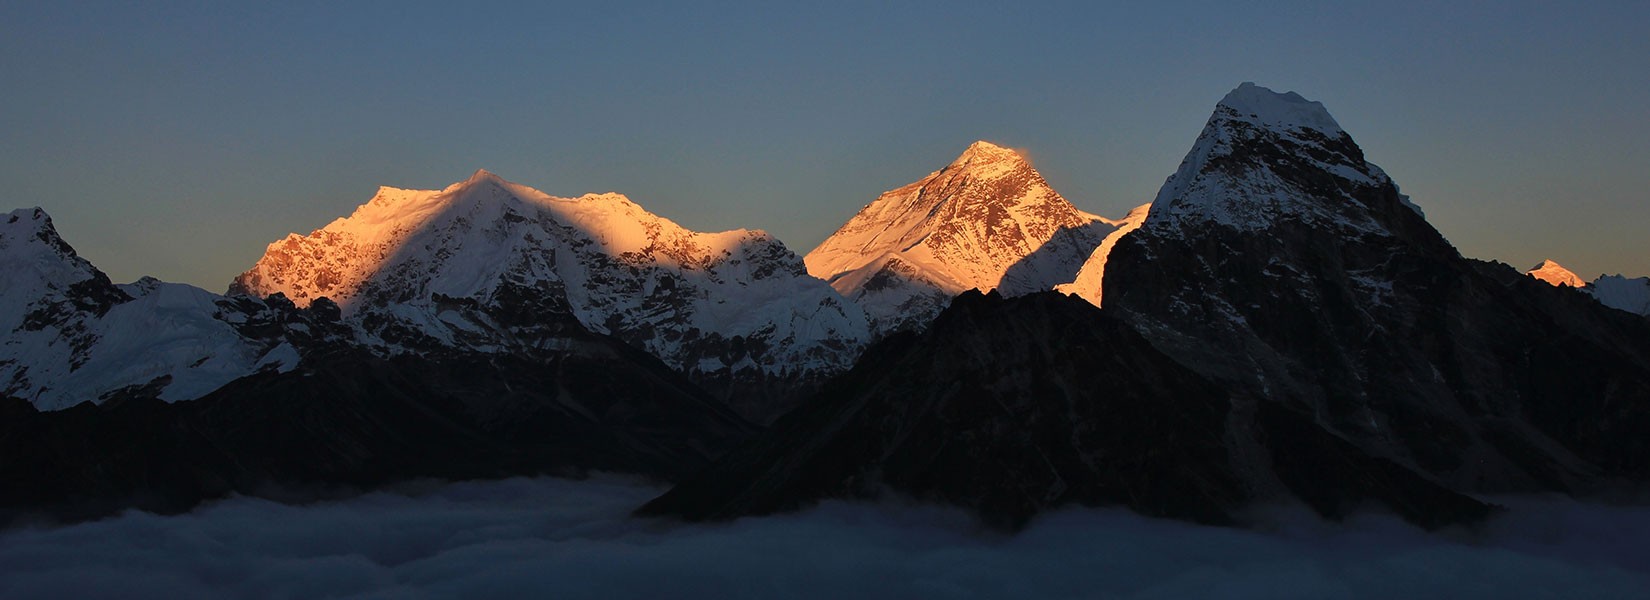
1554,273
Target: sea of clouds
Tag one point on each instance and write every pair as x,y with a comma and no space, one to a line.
552,538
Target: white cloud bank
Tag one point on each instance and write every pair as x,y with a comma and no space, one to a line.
549,538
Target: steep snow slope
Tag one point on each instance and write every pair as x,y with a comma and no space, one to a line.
1555,274
1087,285
987,221
1207,189
69,335
477,265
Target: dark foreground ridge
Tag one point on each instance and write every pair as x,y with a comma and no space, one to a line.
349,421
1013,407
1281,264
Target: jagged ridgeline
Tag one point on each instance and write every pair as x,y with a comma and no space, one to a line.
1282,325
1279,324
486,265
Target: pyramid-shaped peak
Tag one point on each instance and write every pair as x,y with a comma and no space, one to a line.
30,215
481,178
1287,110
483,175
1552,272
985,161
29,224
983,151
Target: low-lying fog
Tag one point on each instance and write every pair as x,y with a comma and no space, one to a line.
554,538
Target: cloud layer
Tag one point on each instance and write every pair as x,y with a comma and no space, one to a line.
563,539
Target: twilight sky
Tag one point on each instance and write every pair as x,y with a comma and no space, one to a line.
177,139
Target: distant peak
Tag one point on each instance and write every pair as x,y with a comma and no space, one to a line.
1554,273
983,153
31,214
484,175
1287,110
985,146
480,177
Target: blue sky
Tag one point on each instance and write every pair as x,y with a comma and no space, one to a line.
178,139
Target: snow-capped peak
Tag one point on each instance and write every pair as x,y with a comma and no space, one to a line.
1288,110
34,215
494,266
482,177
1265,156
40,269
70,335
986,221
1555,274
25,229
336,260
985,155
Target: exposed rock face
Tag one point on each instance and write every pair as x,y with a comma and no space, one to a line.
490,266
1013,407
987,221
1555,274
71,336
348,420
1278,262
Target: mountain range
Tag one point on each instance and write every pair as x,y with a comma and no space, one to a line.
1615,291
1280,324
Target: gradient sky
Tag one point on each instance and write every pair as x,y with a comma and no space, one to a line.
178,139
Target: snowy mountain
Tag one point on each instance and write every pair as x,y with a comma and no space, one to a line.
282,399
482,263
1281,326
987,221
1555,274
1615,291
68,335
1278,261
1622,293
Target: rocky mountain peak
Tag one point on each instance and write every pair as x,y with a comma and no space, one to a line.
986,221
1279,261
1555,274
497,267
30,230
46,280
1285,111
989,158
1264,157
